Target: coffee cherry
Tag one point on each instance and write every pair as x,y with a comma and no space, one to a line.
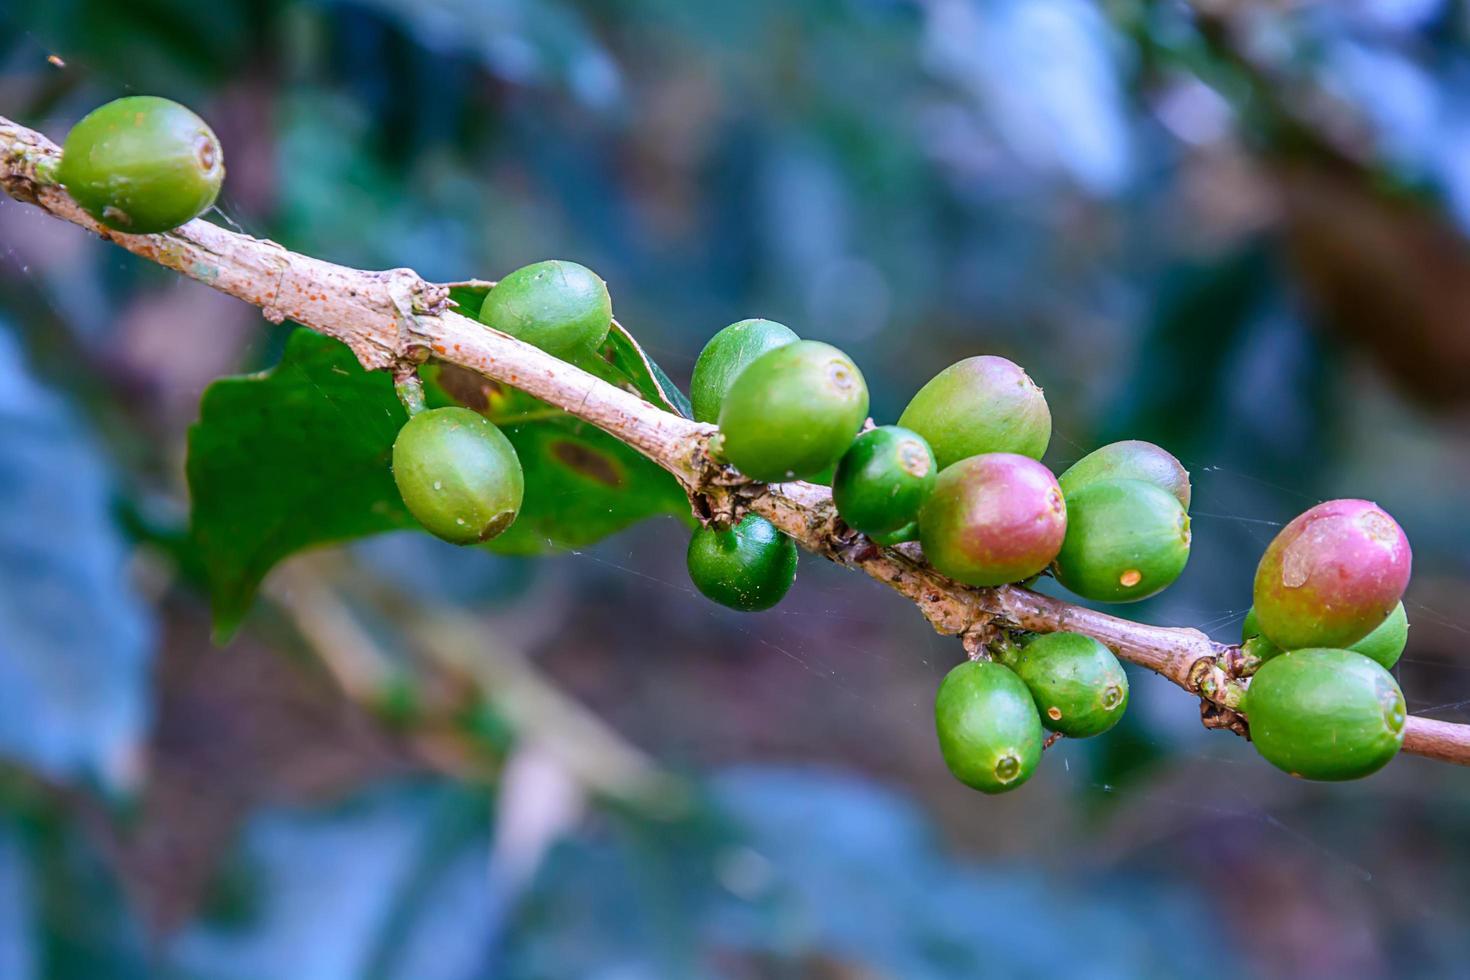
748,567
1331,576
909,532
142,165
793,411
1386,643
980,405
1079,686
1126,540
561,307
1250,633
1132,459
882,480
1325,714
725,356
993,519
989,733
458,474
1383,646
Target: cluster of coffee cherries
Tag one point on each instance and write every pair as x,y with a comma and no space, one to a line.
1327,624
960,475
457,472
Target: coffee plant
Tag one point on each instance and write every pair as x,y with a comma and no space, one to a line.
520,414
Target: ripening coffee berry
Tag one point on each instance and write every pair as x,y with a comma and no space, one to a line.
561,307
142,165
793,411
1325,714
993,519
883,479
1132,459
1126,540
1079,686
749,567
980,405
458,474
725,356
1383,646
989,733
1331,576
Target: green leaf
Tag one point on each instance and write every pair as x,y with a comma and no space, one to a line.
649,380
287,459
621,360
300,456
587,485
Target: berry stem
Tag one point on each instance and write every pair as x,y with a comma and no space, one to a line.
410,391
363,310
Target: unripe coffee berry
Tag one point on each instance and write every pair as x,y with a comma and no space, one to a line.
1251,638
909,532
1383,646
142,165
725,356
1126,540
749,567
993,519
883,479
561,307
1079,686
1332,575
1325,714
989,733
1386,643
1132,459
983,404
458,474
793,411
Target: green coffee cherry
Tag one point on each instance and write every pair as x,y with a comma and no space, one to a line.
1383,646
1250,636
1126,540
749,567
458,474
1331,576
993,519
793,411
989,733
1132,459
1079,686
1325,714
883,479
909,532
1386,643
561,307
725,356
142,165
980,405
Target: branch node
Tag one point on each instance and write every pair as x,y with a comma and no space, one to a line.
978,638
1214,716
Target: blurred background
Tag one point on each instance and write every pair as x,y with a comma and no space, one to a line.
1240,230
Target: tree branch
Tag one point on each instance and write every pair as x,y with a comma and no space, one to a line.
394,319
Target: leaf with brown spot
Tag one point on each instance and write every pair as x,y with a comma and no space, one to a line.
298,456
